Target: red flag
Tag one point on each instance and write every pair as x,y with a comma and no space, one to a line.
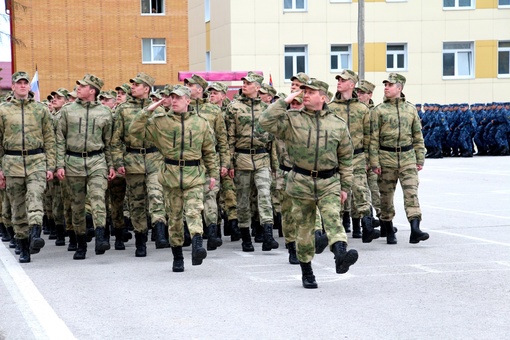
270,79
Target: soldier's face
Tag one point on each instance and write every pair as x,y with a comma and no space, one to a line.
312,99
250,89
167,100
179,103
295,85
139,90
195,90
21,88
216,97
266,98
295,105
391,91
344,85
364,97
85,92
110,102
58,102
121,97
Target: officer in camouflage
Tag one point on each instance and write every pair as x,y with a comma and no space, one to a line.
84,159
320,149
397,153
187,144
27,161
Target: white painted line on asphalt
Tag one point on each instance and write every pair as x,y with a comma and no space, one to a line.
467,212
472,238
243,254
40,317
425,268
503,263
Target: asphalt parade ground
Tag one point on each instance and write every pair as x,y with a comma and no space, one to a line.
456,285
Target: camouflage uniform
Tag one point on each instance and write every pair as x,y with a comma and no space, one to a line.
27,152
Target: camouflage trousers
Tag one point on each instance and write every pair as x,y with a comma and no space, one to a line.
305,211
93,188
277,186
243,181
374,191
2,194
409,181
210,211
26,198
48,202
360,194
67,201
6,210
115,195
184,204
56,202
140,187
346,206
228,195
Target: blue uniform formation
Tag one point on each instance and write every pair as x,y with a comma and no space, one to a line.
461,130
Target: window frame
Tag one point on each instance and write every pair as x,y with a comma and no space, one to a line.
294,55
503,6
152,61
150,13
457,7
395,54
456,52
507,50
207,10
294,8
338,54
340,1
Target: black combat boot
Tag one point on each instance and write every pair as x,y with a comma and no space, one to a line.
269,242
36,241
17,250
198,252
52,228
126,235
119,243
24,256
45,227
61,239
141,244
6,237
235,233
308,278
369,233
246,237
356,228
102,244
291,246
161,240
12,243
321,241
187,235
81,248
343,258
278,223
213,241
390,232
416,234
178,264
73,243
227,224
346,221
89,225
257,230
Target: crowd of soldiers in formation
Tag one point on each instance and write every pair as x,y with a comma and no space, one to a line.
462,130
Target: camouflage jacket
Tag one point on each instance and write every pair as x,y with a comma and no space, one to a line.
26,125
315,141
84,127
396,124
244,132
184,136
214,116
357,117
135,163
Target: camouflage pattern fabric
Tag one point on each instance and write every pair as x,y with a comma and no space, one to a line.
177,199
228,195
374,191
243,180
116,194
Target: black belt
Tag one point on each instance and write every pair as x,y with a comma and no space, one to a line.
397,149
84,154
24,152
323,174
285,168
357,151
251,151
182,162
142,151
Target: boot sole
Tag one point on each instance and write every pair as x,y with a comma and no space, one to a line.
199,255
343,264
374,235
417,240
37,243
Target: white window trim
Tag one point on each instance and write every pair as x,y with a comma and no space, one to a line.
294,55
458,8
154,14
503,6
208,61
394,53
503,49
152,52
207,10
294,9
340,1
456,51
349,53
396,0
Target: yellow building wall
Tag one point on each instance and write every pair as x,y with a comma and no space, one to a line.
375,57
486,59
484,4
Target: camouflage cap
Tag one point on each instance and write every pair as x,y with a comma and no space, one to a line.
156,94
395,78
91,80
299,98
126,88
143,78
268,89
365,86
49,97
20,75
280,95
72,94
108,94
218,87
348,75
166,90
196,79
181,90
253,77
60,92
315,84
301,77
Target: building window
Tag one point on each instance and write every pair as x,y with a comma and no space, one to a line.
207,8
295,60
153,6
294,5
208,61
340,57
154,51
504,3
396,57
504,58
458,60
458,4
